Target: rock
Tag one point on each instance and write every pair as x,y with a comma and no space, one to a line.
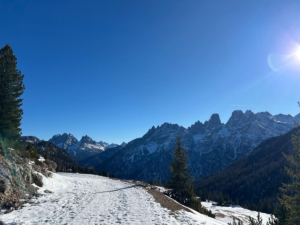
16,177
37,179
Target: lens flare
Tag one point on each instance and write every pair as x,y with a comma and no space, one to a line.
281,62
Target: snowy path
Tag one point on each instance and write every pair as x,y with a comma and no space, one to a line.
88,199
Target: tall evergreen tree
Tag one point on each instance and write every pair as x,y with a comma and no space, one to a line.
180,180
291,196
11,89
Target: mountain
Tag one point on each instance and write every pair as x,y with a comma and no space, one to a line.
99,158
30,139
80,150
64,162
210,146
255,179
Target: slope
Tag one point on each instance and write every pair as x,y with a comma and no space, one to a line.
253,180
63,160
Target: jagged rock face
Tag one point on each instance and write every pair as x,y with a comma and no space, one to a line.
210,146
65,141
80,150
17,175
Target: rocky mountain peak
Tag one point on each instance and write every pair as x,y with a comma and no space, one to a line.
64,140
123,144
87,139
249,113
236,116
213,122
197,128
297,116
263,114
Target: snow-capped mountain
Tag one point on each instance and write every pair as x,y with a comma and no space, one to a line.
82,149
65,141
210,146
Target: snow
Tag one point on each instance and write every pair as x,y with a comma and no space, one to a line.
151,147
89,199
41,159
197,137
92,146
226,214
224,132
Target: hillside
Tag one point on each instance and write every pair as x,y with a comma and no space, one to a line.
63,160
253,180
101,157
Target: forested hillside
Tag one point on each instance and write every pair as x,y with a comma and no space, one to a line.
254,180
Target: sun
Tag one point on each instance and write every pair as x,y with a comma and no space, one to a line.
297,54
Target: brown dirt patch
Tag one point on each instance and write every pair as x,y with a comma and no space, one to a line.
159,197
220,215
166,202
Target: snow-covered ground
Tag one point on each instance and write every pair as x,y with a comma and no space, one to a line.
89,199
226,214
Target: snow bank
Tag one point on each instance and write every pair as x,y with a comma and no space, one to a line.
226,214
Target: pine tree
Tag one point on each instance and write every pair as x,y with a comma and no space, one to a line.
291,196
11,89
180,181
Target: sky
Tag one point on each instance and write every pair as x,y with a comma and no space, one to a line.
112,69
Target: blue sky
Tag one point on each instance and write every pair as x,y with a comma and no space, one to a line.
113,69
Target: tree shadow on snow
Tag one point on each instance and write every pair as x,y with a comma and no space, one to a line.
132,186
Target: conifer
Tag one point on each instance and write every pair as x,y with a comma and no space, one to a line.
180,181
291,192
11,89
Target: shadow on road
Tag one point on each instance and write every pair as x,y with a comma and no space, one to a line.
132,186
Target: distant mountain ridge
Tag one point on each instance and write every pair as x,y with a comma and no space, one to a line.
80,150
210,146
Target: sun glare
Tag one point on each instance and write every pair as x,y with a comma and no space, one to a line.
297,54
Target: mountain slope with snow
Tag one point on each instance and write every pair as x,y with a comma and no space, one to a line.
80,150
255,179
210,146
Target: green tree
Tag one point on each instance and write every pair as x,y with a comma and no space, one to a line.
11,89
291,192
180,182
180,177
